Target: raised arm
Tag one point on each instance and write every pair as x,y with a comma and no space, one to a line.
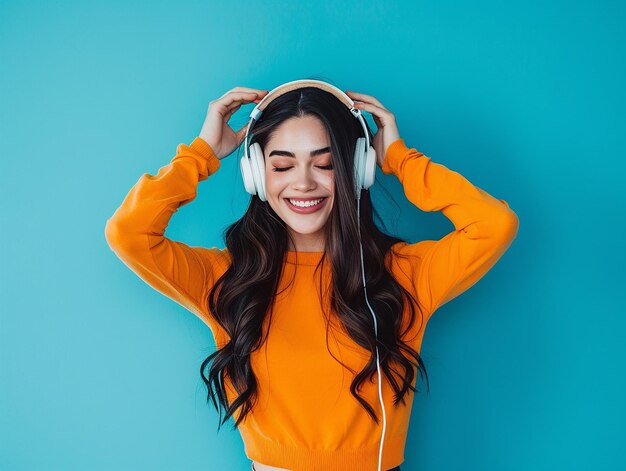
484,226
136,231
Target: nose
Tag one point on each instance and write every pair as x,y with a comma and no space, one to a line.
304,179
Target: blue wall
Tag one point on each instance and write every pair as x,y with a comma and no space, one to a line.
526,100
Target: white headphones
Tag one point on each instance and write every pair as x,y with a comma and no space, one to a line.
253,173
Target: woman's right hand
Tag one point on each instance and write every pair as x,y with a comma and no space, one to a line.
215,131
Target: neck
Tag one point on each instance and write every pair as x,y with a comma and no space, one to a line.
306,243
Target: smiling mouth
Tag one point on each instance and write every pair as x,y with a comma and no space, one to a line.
307,208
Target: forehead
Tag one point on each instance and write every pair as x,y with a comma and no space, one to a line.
299,134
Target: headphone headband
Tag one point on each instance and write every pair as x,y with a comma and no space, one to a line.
295,84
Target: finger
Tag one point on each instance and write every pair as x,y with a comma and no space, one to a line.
238,92
237,103
376,111
230,113
246,90
365,98
237,98
373,110
241,134
234,106
377,122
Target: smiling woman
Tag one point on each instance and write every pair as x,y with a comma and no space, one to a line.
299,338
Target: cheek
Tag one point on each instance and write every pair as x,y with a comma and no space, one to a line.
271,181
331,184
274,185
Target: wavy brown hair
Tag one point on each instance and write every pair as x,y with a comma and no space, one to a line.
257,243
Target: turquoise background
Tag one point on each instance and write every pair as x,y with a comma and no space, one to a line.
526,100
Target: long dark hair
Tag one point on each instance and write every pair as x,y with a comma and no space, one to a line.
257,243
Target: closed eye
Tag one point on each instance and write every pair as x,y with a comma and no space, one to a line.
279,169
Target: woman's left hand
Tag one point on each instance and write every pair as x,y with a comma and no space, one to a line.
385,121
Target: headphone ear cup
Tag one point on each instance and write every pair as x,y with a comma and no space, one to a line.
370,167
257,165
359,165
246,174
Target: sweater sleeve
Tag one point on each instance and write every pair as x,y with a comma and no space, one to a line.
484,226
136,230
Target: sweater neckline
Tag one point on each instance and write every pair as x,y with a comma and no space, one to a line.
303,258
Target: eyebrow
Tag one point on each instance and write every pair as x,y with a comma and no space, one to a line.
291,154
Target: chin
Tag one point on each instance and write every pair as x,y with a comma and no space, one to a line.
299,227
302,231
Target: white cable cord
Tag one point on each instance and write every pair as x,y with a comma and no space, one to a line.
380,392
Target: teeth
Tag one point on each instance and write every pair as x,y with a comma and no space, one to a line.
305,204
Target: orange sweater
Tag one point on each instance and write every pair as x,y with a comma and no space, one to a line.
305,418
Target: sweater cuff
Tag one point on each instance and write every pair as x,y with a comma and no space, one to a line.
204,149
395,154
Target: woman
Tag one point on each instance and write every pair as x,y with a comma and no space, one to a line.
298,347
